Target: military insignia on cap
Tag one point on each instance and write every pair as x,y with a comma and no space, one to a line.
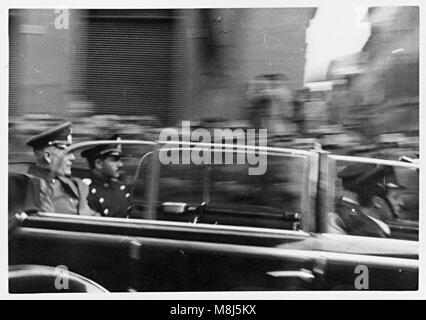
104,150
59,135
392,185
87,181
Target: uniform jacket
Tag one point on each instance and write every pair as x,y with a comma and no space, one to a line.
68,194
350,219
109,197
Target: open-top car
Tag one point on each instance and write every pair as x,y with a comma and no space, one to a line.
200,222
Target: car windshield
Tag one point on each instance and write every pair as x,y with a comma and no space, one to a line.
221,191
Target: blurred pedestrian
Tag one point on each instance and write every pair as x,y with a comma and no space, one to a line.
299,111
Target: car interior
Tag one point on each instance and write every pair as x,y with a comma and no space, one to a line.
222,194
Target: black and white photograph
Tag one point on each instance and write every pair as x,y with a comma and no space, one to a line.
213,149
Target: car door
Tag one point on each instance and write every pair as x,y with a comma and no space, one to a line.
189,236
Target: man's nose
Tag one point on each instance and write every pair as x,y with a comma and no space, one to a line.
71,156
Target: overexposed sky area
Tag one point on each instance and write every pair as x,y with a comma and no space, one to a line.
335,31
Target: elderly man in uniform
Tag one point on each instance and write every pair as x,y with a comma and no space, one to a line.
68,194
108,196
372,197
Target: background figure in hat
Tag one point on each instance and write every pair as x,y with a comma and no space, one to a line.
68,194
372,197
108,195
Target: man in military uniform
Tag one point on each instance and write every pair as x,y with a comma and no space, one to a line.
372,197
108,194
68,194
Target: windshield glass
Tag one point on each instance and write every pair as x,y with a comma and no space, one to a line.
223,190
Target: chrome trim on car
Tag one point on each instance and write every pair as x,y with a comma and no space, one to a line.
176,224
374,161
299,255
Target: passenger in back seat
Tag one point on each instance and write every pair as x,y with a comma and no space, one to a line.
68,194
372,199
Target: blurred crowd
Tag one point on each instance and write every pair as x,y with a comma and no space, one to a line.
293,119
85,128
331,137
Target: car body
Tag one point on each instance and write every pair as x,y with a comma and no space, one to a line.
213,227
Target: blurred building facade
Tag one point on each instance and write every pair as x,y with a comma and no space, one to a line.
168,64
376,90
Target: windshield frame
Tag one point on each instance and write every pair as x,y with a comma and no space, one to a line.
309,180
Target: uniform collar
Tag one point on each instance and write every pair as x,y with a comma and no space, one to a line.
381,224
40,172
68,181
46,174
98,178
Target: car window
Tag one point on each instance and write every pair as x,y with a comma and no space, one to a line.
226,192
373,199
181,183
279,189
409,179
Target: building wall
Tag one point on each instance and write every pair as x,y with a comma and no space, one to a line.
382,94
227,48
40,60
223,49
390,88
275,42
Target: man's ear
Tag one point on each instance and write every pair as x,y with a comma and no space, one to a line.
378,202
47,156
98,164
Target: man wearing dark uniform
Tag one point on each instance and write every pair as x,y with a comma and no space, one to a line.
68,194
372,198
108,195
